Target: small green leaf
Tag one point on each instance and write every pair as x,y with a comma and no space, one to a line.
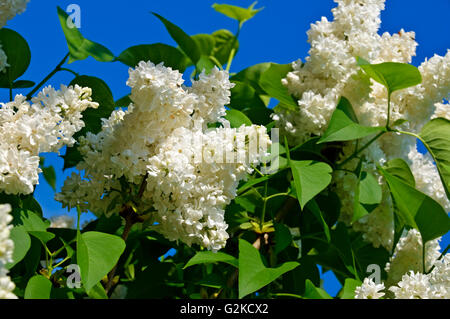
18,57
38,287
50,176
343,125
394,76
436,137
310,179
237,118
252,75
206,257
270,82
186,43
416,209
156,53
22,243
253,275
23,84
79,47
312,292
237,13
97,253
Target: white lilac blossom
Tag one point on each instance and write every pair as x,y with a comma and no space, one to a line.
10,8
6,252
406,278
331,71
192,172
45,125
369,290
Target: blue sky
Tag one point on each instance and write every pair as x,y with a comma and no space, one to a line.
276,34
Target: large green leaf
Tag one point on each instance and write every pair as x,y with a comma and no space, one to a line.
237,13
156,53
270,82
186,43
367,196
436,137
313,292
310,178
317,212
97,253
253,275
79,47
224,42
237,118
22,243
343,125
33,224
18,57
394,76
206,257
400,169
252,75
416,209
38,287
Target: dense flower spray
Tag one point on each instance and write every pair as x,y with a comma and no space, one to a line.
45,125
330,71
6,251
406,277
162,141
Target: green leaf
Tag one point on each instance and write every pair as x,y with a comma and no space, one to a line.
237,118
79,47
270,82
186,43
317,212
92,118
283,237
206,257
124,101
101,93
23,84
343,125
253,275
97,292
224,42
436,137
205,43
252,75
348,291
22,243
38,287
97,253
367,196
156,53
50,176
237,13
416,209
312,292
204,64
394,76
18,57
310,178
399,168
